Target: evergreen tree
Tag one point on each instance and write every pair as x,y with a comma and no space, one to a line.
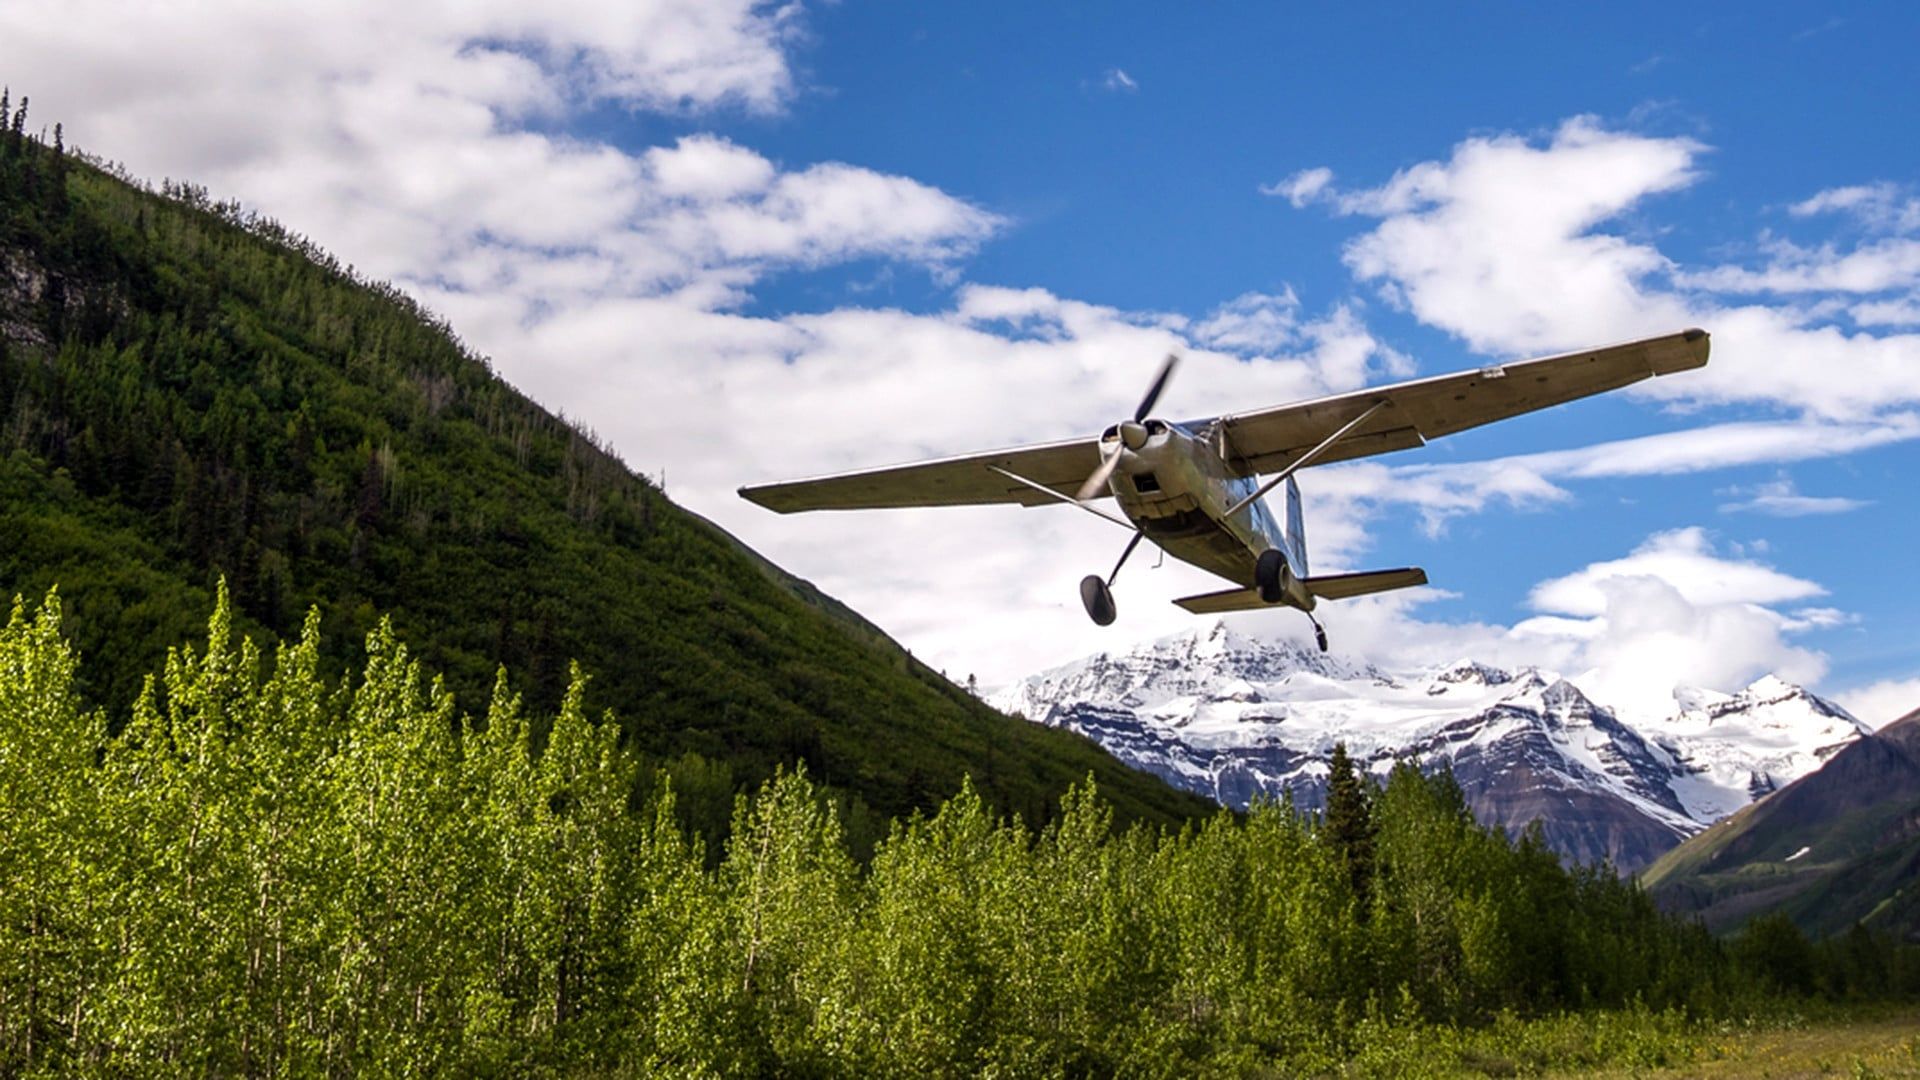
1349,823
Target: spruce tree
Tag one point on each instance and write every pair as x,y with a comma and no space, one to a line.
1349,823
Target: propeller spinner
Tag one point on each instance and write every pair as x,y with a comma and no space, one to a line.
1133,433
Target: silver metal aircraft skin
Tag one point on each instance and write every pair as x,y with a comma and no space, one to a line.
1194,488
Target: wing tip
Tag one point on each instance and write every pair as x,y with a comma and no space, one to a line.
1694,354
1683,351
758,497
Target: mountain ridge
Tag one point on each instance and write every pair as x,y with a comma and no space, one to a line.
1838,846
1238,718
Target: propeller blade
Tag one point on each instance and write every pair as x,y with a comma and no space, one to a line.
1159,383
1097,481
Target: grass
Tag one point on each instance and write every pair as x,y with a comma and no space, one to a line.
1858,1042
1873,1043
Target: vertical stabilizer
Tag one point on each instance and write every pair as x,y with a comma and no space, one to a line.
1296,529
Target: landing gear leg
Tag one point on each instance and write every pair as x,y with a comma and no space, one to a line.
1319,632
1096,593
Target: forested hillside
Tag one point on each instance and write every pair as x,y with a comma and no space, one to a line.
268,873
187,393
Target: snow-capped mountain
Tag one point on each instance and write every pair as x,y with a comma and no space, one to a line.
1235,717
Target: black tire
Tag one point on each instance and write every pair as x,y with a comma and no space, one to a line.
1269,575
1098,599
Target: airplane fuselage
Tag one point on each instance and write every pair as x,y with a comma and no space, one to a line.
1177,488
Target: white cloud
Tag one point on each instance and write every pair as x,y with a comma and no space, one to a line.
707,168
1118,81
1886,313
1503,245
1498,244
1683,559
1674,612
1252,322
1303,187
425,144
1779,498
1878,267
1653,638
1881,703
1534,481
1883,206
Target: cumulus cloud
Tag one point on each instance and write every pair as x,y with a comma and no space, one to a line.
1525,246
1675,611
427,143
1500,246
1881,703
1683,559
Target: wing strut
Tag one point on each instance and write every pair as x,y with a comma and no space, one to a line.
1303,460
1068,499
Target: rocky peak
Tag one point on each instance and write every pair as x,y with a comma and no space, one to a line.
1474,673
1236,717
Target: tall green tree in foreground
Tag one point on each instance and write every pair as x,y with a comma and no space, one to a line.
1349,823
263,871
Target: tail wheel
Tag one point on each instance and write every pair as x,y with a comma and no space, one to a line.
1097,598
1269,575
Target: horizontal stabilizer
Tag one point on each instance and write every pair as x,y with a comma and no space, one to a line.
1231,600
1327,587
1341,586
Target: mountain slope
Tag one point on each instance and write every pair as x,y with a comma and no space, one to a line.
1838,846
187,393
1237,718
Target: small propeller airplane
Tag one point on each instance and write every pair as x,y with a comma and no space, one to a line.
1194,487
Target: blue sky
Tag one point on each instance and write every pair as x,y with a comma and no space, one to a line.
745,241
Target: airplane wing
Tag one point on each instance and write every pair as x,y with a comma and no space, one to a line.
955,481
1269,440
1265,441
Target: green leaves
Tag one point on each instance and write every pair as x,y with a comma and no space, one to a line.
268,872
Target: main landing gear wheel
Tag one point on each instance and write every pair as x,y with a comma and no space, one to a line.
1319,634
1098,599
1096,592
1268,574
